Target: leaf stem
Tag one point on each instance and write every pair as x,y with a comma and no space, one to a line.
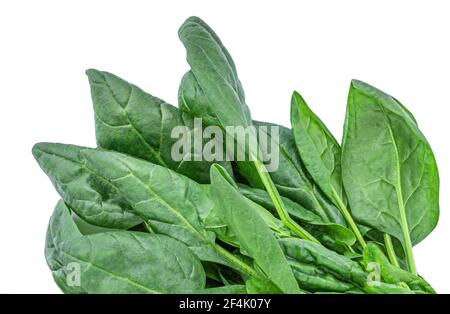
236,261
390,250
278,202
408,244
348,217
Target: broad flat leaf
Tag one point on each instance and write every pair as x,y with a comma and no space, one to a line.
131,121
389,171
94,199
318,149
253,234
170,203
118,261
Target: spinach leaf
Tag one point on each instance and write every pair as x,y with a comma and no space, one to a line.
304,252
214,72
118,261
91,197
134,218
253,234
318,268
321,155
392,274
215,223
169,203
389,171
131,121
86,228
213,69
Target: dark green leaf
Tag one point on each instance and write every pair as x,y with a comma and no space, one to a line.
119,261
170,203
214,71
307,252
130,121
317,147
93,198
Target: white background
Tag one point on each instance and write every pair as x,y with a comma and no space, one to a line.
315,47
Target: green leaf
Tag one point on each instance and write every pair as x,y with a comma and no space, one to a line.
170,203
91,197
192,100
256,285
389,171
213,69
391,274
317,147
86,228
321,154
118,261
300,252
131,121
250,229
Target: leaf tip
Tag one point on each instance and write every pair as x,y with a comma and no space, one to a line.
37,149
93,74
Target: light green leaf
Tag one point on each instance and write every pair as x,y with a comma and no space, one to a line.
389,171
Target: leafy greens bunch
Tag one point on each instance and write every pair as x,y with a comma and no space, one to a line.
331,219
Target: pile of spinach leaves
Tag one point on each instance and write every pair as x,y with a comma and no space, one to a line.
333,218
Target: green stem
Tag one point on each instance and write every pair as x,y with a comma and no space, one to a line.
401,205
350,249
278,203
236,261
408,244
390,250
348,217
